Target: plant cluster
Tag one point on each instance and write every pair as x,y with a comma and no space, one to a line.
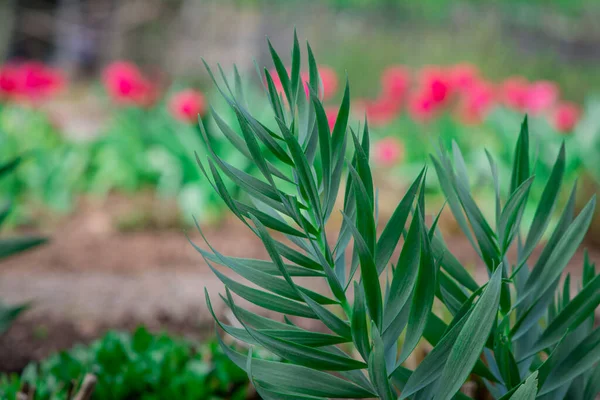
135,366
10,246
522,333
147,142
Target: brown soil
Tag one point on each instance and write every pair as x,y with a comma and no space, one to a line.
92,277
34,338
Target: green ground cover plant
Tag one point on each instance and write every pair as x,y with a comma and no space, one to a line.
522,333
12,245
141,365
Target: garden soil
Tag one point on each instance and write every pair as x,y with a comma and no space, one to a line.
91,277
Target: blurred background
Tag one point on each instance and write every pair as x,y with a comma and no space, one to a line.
99,101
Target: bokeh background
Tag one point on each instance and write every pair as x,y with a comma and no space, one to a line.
100,99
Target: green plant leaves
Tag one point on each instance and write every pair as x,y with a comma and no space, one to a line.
370,278
390,236
423,296
377,368
579,360
360,332
528,390
298,379
471,339
298,162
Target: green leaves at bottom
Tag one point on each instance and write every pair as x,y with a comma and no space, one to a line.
471,340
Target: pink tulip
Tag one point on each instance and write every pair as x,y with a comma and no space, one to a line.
380,111
476,102
435,84
541,96
126,84
514,93
395,82
388,151
30,81
422,107
565,117
463,77
331,113
187,105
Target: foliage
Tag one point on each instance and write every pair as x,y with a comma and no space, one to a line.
10,246
513,332
135,366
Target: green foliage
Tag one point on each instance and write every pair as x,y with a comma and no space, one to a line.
513,332
135,366
139,148
10,246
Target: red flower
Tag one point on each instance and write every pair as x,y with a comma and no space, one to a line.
126,84
395,82
463,77
422,107
388,151
541,96
565,117
31,81
435,84
379,112
515,91
9,80
477,102
331,113
276,81
187,105
329,80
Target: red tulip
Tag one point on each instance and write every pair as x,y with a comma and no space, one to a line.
331,113
541,96
126,84
187,105
463,77
477,102
31,81
422,107
379,112
435,83
329,80
514,93
395,82
9,77
388,151
565,117
276,81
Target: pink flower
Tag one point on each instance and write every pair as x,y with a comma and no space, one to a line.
463,77
380,111
126,84
395,82
187,105
515,92
477,102
329,80
30,81
565,117
276,81
435,83
388,151
541,96
9,76
331,113
39,81
422,107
